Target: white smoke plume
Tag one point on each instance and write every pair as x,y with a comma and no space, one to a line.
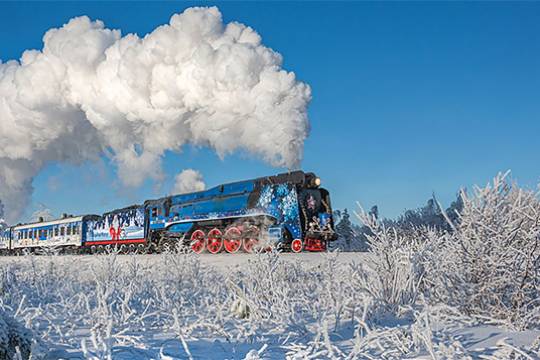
187,181
91,92
43,213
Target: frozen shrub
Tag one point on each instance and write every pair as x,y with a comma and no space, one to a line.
490,265
395,276
487,265
15,339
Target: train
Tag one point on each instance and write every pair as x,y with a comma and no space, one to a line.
288,211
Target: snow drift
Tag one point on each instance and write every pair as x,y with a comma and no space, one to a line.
91,92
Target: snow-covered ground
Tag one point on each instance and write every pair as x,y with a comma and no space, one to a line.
268,306
223,262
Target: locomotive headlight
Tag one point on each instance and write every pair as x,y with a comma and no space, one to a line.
317,182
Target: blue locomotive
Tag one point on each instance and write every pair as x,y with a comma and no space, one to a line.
288,211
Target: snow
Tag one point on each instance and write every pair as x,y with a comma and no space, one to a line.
268,306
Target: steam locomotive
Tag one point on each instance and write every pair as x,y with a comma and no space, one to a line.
289,211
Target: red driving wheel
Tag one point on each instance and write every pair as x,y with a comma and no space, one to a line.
197,241
232,240
214,242
296,245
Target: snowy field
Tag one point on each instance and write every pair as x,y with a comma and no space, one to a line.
268,306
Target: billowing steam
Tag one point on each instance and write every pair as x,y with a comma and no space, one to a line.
188,180
42,213
91,92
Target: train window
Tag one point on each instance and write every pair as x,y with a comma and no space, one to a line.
50,232
68,230
154,212
56,231
62,231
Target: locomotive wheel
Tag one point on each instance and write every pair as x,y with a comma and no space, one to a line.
132,248
197,241
141,249
251,241
123,249
100,249
233,240
214,243
297,245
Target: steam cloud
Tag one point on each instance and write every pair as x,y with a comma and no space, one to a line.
91,92
188,180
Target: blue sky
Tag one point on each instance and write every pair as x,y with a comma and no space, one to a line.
408,98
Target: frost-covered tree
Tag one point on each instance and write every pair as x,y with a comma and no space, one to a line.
345,230
429,215
487,265
490,264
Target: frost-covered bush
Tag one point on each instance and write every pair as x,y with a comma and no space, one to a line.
15,339
395,277
487,266
490,265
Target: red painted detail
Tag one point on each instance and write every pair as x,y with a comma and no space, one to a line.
197,241
315,245
115,233
232,240
296,245
214,242
114,242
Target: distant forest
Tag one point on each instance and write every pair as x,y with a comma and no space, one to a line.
353,237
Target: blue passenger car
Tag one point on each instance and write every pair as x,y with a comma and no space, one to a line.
122,227
5,240
66,233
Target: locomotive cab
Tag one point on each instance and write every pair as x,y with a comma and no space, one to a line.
316,215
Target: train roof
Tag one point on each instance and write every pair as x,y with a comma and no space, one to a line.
124,209
64,220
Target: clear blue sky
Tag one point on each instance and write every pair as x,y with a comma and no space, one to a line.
408,98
